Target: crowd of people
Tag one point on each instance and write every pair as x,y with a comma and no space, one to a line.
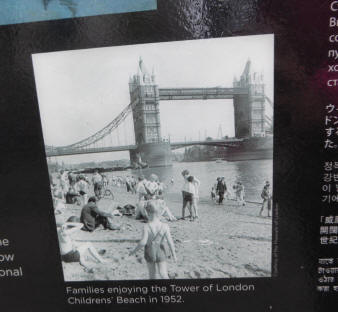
150,206
220,191
71,188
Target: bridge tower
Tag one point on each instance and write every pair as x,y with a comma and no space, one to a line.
250,109
144,96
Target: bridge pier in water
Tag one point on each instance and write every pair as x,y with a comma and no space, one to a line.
152,154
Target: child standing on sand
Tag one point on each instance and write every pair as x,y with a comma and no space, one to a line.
213,194
154,234
239,190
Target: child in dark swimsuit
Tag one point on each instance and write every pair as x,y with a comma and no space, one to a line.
154,235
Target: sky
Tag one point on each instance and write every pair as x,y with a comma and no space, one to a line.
81,91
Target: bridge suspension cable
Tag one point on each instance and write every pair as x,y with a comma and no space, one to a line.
93,139
269,101
268,119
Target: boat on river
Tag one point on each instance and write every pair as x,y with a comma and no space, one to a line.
250,149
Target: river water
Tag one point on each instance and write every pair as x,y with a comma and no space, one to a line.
252,173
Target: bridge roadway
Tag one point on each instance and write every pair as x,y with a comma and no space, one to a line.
59,151
225,142
166,94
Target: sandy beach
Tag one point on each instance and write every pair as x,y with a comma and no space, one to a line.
227,241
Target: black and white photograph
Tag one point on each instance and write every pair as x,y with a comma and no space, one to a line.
160,158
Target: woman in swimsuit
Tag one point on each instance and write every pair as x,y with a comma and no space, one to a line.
154,234
76,252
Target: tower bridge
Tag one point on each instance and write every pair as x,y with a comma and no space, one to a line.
149,147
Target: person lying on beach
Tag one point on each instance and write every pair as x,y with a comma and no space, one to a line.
72,251
155,233
92,217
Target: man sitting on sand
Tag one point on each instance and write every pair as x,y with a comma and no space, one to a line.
92,217
76,252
